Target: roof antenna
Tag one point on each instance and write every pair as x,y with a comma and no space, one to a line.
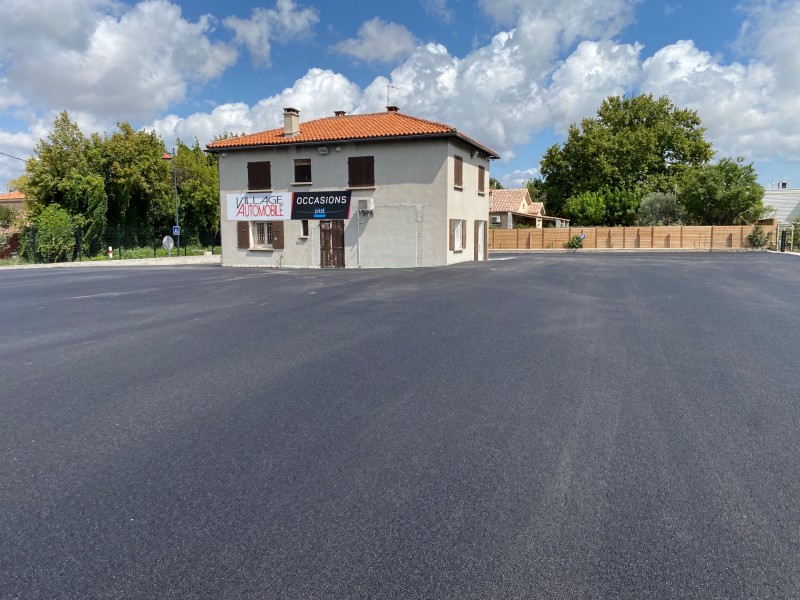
390,87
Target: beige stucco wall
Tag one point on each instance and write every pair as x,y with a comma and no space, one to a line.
414,198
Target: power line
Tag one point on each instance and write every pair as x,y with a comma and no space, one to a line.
14,157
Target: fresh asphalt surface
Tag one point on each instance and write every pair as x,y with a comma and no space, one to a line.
549,426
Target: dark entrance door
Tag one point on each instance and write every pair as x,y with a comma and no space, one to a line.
331,244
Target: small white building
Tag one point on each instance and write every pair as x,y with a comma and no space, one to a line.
373,190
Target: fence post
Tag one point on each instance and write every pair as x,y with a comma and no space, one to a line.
681,244
711,243
652,236
33,242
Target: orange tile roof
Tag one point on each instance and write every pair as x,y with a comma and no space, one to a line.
385,125
509,200
12,199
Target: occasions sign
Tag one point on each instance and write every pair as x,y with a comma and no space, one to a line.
288,205
321,205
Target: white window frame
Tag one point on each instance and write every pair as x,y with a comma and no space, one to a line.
262,234
459,236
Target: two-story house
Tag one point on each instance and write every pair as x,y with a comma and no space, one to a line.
372,190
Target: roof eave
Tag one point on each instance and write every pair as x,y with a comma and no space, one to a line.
490,154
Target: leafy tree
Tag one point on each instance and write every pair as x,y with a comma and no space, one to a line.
6,217
138,180
198,187
621,207
724,193
635,143
495,184
658,208
67,171
587,208
534,187
54,229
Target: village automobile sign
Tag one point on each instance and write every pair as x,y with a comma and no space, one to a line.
283,206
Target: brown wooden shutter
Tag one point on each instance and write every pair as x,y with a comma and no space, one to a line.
243,234
361,171
452,234
481,179
458,175
464,234
277,235
259,175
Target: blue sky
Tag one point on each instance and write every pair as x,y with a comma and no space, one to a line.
511,73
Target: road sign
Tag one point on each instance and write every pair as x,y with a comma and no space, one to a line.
176,230
168,243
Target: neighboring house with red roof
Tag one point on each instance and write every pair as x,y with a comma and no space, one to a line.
13,200
373,190
510,208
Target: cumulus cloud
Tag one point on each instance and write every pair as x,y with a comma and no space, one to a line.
267,26
105,58
570,19
594,71
736,102
379,41
318,93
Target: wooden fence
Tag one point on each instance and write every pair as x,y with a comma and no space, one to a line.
685,237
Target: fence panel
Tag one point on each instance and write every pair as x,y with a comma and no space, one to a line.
686,237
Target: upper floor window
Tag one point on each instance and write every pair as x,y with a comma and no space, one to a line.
361,171
302,170
259,175
481,179
458,172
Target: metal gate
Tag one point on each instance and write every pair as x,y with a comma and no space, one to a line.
331,244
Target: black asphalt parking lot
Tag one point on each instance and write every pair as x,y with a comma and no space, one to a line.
547,426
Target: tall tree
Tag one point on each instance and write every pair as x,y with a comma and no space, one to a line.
635,143
66,171
138,180
198,187
724,193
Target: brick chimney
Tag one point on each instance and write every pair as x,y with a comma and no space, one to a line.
291,122
392,109
339,113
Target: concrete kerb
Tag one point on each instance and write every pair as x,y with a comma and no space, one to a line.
127,262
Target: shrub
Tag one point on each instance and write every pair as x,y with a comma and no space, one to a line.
576,241
758,238
54,231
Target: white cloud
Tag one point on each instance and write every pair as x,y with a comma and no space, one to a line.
439,9
266,26
571,19
317,94
593,72
103,58
379,41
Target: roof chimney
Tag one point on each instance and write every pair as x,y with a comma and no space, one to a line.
392,109
291,122
339,113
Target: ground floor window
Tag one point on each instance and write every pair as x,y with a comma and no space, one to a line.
262,235
458,235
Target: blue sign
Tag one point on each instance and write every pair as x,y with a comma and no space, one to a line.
176,230
321,205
